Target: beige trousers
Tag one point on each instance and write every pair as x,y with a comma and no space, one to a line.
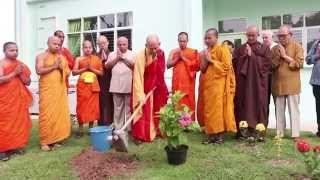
293,102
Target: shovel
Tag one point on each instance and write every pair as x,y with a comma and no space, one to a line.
118,138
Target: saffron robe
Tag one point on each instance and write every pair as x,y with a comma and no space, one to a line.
15,122
184,77
54,116
88,92
218,85
148,74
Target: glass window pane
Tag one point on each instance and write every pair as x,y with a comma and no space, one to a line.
91,37
128,34
74,25
297,35
295,20
110,37
107,21
237,43
313,18
271,22
124,19
90,23
74,44
312,35
233,25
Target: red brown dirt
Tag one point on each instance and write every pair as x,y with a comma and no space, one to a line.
90,164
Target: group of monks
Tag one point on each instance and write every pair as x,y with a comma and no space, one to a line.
234,86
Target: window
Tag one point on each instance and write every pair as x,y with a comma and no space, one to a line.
89,28
232,25
313,18
271,22
294,20
312,35
297,35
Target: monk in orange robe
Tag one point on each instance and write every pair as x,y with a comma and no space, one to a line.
54,118
15,99
88,67
218,91
185,62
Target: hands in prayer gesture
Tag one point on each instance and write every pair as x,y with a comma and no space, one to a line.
248,50
18,69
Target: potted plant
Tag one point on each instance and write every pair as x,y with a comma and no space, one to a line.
174,119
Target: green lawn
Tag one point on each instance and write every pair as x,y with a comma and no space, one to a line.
232,160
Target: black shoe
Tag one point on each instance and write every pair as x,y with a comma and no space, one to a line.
318,134
17,152
4,157
240,136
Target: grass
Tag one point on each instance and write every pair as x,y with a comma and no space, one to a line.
232,160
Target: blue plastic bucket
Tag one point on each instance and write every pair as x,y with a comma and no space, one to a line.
99,138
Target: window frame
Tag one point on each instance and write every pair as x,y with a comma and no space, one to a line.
233,18
97,32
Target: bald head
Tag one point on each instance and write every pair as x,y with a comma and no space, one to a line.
267,37
103,42
87,48
122,44
152,43
54,44
152,39
252,34
211,37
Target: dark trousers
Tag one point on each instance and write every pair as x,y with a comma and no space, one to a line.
316,93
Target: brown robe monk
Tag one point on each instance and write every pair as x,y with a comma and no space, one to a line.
251,100
106,102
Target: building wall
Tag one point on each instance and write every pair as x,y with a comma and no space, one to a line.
165,18
215,10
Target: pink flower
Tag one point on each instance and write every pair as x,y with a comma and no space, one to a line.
185,120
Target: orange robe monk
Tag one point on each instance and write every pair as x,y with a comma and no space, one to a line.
54,119
88,91
218,91
15,99
184,76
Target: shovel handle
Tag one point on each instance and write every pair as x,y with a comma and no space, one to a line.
120,131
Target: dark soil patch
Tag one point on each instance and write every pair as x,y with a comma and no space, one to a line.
90,164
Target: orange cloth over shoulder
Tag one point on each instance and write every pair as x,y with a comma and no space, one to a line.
218,90
54,117
184,77
15,122
88,91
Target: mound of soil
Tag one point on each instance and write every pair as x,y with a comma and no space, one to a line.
90,164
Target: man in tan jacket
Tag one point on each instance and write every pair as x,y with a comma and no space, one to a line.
287,60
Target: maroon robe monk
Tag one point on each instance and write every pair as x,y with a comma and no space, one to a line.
105,97
252,62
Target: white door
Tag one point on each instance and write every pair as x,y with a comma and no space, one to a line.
45,28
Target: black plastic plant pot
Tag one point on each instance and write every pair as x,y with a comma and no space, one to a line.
177,156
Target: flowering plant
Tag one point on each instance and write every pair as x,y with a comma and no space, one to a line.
174,118
311,156
261,132
243,125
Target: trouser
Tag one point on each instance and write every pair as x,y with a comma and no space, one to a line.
121,113
293,105
316,93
